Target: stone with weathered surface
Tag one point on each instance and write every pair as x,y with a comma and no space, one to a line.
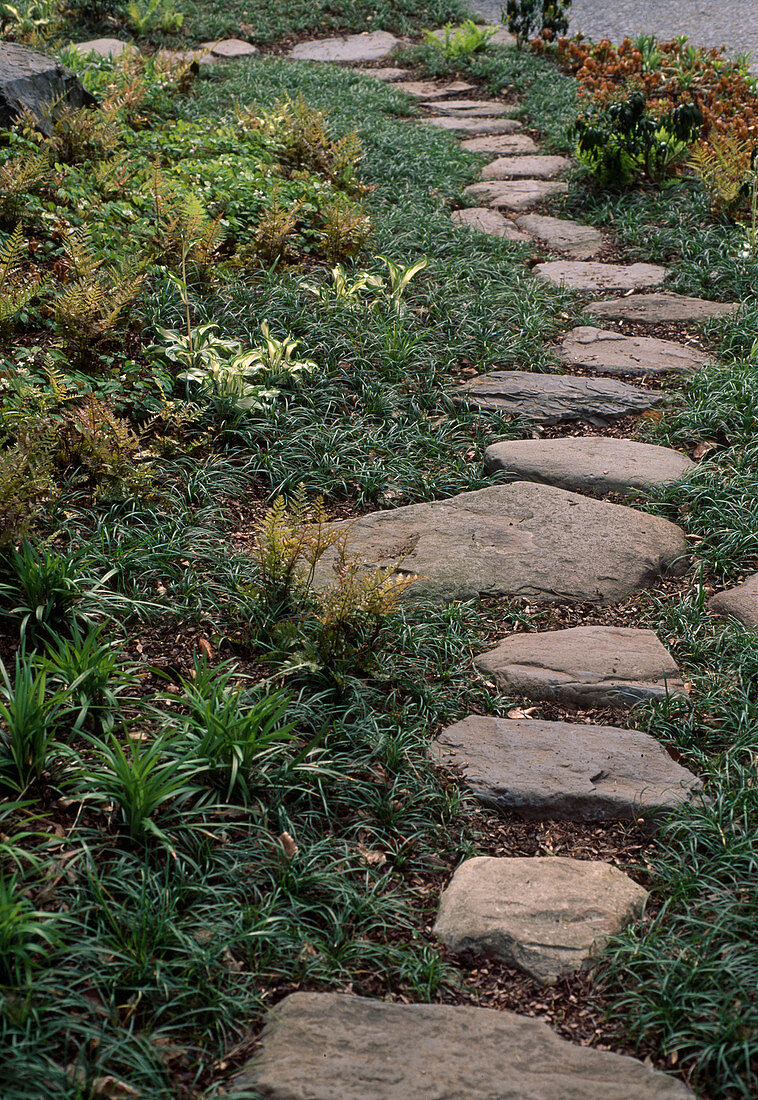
475,125
580,241
515,144
525,167
104,47
29,80
546,915
588,275
516,194
335,1046
470,108
740,602
610,352
488,221
660,309
556,398
429,90
230,48
388,74
563,771
588,463
593,666
368,46
520,539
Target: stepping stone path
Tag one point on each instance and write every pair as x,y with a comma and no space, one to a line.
589,464
581,242
388,74
104,47
488,221
740,603
585,666
610,352
545,915
659,309
229,48
475,125
469,108
517,540
561,771
500,143
525,167
556,398
427,89
516,194
595,276
369,46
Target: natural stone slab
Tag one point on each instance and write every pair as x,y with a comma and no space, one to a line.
588,275
29,79
368,46
740,602
429,90
230,48
562,771
608,351
388,75
516,194
595,666
475,125
525,167
582,242
103,47
588,463
660,309
470,108
333,1046
556,398
546,915
519,144
520,539
488,221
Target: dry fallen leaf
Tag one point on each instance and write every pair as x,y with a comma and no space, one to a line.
288,844
704,448
113,1089
207,648
517,712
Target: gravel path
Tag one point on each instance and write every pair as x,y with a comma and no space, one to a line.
730,23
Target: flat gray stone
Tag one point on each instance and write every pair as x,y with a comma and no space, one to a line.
104,47
556,398
388,74
332,1046
589,464
658,309
230,48
488,221
547,915
561,771
589,275
516,144
368,46
516,194
470,108
33,81
429,90
586,666
582,242
475,125
520,539
608,351
740,602
525,167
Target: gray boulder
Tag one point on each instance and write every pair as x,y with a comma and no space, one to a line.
30,80
740,603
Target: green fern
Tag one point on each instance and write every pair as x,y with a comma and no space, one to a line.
16,289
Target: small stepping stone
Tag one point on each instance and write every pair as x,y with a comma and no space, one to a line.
589,463
470,108
335,1046
516,194
525,167
104,47
488,221
520,539
427,89
369,46
475,125
740,602
594,666
660,309
516,144
546,915
388,74
230,48
596,276
556,398
608,351
562,771
582,242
